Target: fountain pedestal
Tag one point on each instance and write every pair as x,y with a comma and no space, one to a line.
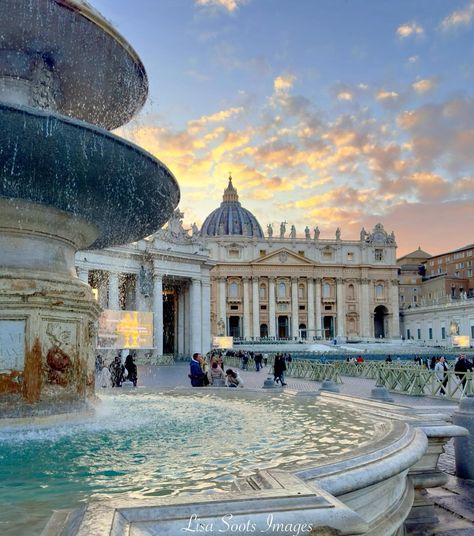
47,315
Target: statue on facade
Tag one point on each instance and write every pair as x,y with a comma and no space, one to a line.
145,282
338,233
194,229
363,234
221,229
317,232
293,232
245,229
175,224
270,230
221,327
307,233
282,229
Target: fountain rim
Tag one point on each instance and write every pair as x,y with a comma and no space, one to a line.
95,17
95,130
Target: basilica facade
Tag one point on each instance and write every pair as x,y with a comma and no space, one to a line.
280,286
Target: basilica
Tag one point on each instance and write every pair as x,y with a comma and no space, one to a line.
231,278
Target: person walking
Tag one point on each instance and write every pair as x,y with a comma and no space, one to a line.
131,368
440,371
461,367
279,367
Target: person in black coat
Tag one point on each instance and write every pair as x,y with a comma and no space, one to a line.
279,367
131,368
461,367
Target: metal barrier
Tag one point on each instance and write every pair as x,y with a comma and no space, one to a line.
369,369
424,382
311,370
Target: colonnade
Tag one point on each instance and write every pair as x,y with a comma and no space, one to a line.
192,308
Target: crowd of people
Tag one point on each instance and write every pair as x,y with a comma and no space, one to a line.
211,371
117,372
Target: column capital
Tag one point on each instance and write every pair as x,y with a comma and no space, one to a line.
271,279
195,280
294,280
255,279
394,282
339,280
318,280
245,279
365,280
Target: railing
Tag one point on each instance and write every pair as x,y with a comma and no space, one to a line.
311,370
368,369
420,381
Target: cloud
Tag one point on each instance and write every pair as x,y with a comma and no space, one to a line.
217,117
227,5
385,95
345,95
283,84
457,19
413,59
425,85
409,28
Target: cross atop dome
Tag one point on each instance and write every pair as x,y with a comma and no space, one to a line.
230,193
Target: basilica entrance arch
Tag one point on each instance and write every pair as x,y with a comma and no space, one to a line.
328,327
234,326
283,327
380,322
263,330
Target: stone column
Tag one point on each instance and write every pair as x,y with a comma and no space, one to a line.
294,307
222,314
187,319
364,308
271,307
255,307
319,329
206,316
311,327
196,316
158,312
395,327
113,291
83,275
181,320
246,307
341,308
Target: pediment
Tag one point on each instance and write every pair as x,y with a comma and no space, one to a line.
283,257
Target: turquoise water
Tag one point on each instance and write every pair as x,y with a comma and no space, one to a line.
141,445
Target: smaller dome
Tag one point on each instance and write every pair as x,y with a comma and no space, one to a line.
231,218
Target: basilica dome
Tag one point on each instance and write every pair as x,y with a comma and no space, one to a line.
231,218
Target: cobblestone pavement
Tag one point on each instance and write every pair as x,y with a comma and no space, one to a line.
454,502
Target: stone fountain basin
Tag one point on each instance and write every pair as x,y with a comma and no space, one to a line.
52,160
101,78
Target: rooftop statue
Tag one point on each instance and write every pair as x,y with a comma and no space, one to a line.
317,232
270,230
338,233
293,232
307,233
282,229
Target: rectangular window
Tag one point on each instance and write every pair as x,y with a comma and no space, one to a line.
469,272
418,333
302,307
263,252
301,253
234,253
263,307
327,307
443,332
469,253
350,256
430,333
472,332
378,254
234,307
408,334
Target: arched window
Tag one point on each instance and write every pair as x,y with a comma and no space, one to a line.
263,292
326,290
281,290
350,291
233,290
301,292
379,291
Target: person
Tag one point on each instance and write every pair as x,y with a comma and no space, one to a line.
116,371
388,359
258,361
279,367
233,379
105,378
461,367
359,359
99,364
440,371
196,374
245,361
131,368
216,375
417,360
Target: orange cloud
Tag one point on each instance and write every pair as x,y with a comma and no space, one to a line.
459,18
424,85
410,28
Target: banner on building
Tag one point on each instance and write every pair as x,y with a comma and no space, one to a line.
461,341
223,343
125,329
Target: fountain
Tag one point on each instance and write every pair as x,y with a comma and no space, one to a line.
66,183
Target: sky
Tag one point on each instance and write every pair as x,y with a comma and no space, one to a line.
335,113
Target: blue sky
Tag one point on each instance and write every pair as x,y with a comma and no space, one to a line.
328,112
